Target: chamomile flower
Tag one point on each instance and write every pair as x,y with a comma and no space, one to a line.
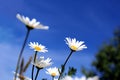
31,23
52,71
38,47
75,45
41,62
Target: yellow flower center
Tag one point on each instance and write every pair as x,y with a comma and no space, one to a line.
53,74
73,47
37,48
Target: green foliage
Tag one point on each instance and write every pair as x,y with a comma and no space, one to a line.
72,71
107,61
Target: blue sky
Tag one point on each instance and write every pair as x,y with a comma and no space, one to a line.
92,21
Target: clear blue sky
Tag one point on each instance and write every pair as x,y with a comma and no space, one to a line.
92,21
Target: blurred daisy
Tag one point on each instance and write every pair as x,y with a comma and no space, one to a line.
53,71
17,78
38,47
75,45
55,79
67,78
21,77
81,78
75,78
93,78
31,23
41,63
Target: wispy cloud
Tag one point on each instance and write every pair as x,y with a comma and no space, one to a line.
5,34
7,60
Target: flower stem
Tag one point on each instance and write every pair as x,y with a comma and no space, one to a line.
33,65
21,52
52,77
38,69
63,66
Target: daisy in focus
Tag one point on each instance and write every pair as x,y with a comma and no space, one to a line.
38,47
75,45
31,23
42,63
53,71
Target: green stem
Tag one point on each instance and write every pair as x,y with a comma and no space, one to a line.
33,65
21,52
63,66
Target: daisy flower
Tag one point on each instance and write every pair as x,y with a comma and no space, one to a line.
41,63
53,71
31,23
38,47
75,45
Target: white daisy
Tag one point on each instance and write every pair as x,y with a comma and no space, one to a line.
38,47
41,63
31,23
75,45
52,71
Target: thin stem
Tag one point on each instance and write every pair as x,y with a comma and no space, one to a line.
37,73
68,58
52,77
21,52
63,66
33,65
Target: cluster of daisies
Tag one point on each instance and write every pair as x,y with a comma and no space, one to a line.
73,44
41,63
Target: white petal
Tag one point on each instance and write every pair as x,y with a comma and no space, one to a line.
32,22
19,17
36,24
42,27
27,20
